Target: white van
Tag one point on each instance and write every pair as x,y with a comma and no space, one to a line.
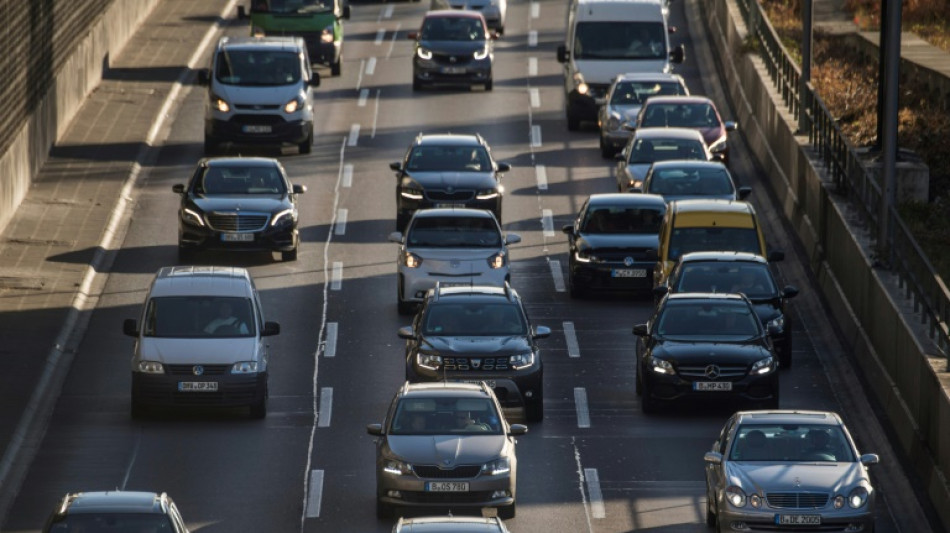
260,91
606,38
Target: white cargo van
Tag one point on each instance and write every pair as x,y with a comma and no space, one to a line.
606,38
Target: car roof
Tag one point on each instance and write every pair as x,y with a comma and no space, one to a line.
631,199
688,163
114,501
649,76
787,416
292,44
668,133
454,13
716,205
679,99
732,257
453,211
453,139
202,281
707,296
449,524
445,389
241,161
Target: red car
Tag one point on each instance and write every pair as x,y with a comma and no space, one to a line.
695,112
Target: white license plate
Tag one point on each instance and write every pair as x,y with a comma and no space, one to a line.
712,385
447,486
197,386
237,237
453,70
255,128
628,273
489,382
798,519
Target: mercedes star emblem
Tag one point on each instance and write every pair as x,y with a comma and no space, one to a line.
712,371
476,363
198,370
455,263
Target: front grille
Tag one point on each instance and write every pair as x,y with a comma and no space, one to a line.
725,371
797,500
446,497
188,370
618,255
434,472
486,364
258,120
447,59
237,221
257,107
446,196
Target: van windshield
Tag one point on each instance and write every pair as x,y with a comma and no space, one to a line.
686,240
619,40
257,68
291,7
198,317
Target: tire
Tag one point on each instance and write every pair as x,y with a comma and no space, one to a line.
647,403
401,221
573,123
573,289
383,511
785,357
605,150
508,512
185,254
258,410
307,145
337,67
639,383
416,84
404,308
489,84
534,410
710,516
289,255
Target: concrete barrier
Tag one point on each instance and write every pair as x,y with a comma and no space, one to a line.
905,374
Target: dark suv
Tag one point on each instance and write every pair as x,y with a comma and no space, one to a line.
115,511
447,170
475,334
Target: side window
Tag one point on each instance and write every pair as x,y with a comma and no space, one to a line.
724,436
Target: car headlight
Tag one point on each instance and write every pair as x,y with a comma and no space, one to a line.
735,496
411,193
763,366
424,53
429,361
613,123
582,88
755,501
326,36
497,261
411,260
151,367
777,323
283,217
661,366
858,497
521,360
636,183
481,54
584,256
397,468
486,194
497,467
719,145
191,216
220,104
294,105
245,367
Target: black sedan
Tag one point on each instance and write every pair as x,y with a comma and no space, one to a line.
704,347
237,203
452,47
613,242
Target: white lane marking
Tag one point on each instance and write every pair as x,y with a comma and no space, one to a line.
348,175
329,348
535,136
326,407
336,278
597,509
354,135
379,37
315,494
570,336
359,78
535,10
340,227
532,66
580,405
533,38
580,484
364,94
388,12
542,176
375,114
547,222
392,43
557,275
534,95
370,66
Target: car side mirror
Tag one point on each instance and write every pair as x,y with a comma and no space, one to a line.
568,229
744,192
713,458
203,76
395,237
776,255
346,12
541,332
773,329
628,126
678,55
504,167
406,332
561,54
790,291
730,125
640,330
870,459
179,188
299,189
130,327
397,166
374,429
622,157
660,291
512,238
718,158
517,429
270,329
315,79
412,36
494,35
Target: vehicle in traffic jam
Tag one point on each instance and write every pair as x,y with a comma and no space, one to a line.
494,11
115,510
450,524
453,47
612,243
650,145
705,347
624,99
788,470
685,180
694,112
448,446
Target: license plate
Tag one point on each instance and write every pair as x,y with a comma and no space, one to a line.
237,237
453,70
628,273
489,382
256,128
197,386
712,385
447,486
798,519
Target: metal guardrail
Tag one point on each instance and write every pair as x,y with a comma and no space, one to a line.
917,277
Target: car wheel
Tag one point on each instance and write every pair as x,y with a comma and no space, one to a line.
404,307
785,357
401,221
507,512
337,67
647,402
534,410
306,146
639,382
606,151
489,84
383,511
258,410
710,515
573,123
573,288
290,255
211,146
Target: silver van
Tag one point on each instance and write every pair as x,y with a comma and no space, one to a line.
201,341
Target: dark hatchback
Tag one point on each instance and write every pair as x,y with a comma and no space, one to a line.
478,333
116,510
452,47
705,347
613,242
447,170
739,272
238,203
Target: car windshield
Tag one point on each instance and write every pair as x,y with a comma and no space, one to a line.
619,40
636,92
687,181
199,317
445,416
113,522
622,220
467,29
647,151
453,232
474,319
240,180
711,239
707,319
699,115
791,442
449,158
752,279
258,68
291,7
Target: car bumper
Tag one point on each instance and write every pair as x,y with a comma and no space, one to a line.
321,52
236,130
765,520
512,391
410,491
233,390
276,239
669,388
612,275
407,207
474,72
616,139
416,283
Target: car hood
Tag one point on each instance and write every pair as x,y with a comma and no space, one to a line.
834,478
269,95
704,353
478,345
447,450
672,197
453,47
638,171
711,135
598,241
195,351
603,71
242,202
766,310
440,179
628,113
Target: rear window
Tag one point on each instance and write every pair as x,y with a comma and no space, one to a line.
752,279
691,181
636,92
711,239
451,158
645,151
701,115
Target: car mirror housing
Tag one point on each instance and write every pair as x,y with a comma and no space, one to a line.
406,332
504,167
678,55
397,166
517,429
270,329
395,237
776,255
541,332
730,125
561,54
512,238
179,188
374,429
870,459
130,327
204,76
660,290
713,458
568,229
640,330
412,36
346,12
299,189
790,291
315,79
744,192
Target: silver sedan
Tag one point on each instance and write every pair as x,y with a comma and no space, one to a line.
624,100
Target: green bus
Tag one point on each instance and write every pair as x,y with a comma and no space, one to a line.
319,22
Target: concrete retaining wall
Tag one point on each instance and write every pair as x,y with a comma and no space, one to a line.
79,75
911,385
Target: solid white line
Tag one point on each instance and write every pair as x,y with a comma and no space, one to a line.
392,43
535,96
370,66
570,336
348,175
326,407
533,38
354,135
597,509
364,94
316,494
536,136
542,176
336,278
547,222
557,275
388,12
329,347
532,66
340,227
580,405
379,37
535,10
375,114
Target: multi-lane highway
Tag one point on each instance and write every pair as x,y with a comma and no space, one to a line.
595,464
